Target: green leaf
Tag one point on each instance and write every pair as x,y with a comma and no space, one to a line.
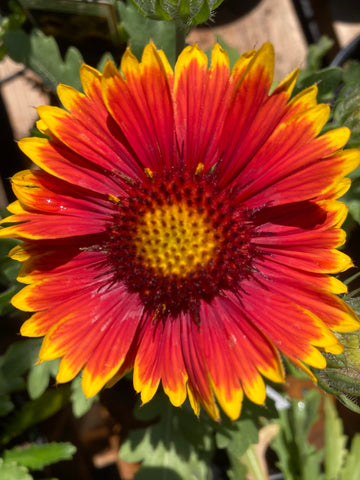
352,72
178,446
252,462
9,268
5,297
297,458
354,208
351,469
35,411
71,68
352,200
327,81
6,405
347,113
39,377
41,54
12,471
203,15
317,52
37,457
141,31
335,442
11,22
80,403
17,360
239,436
237,439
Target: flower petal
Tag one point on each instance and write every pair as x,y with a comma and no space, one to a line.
141,106
199,122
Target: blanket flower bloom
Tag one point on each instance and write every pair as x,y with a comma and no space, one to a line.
184,224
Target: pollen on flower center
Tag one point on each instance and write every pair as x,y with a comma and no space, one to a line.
176,239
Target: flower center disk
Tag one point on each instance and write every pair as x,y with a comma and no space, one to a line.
178,242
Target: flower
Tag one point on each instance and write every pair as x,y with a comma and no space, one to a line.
184,225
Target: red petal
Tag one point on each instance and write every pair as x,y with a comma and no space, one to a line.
141,105
199,121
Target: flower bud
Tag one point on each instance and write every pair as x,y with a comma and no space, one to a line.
188,12
342,374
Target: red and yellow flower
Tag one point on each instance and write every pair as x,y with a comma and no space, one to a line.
184,224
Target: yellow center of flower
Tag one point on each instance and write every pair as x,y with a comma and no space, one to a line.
176,239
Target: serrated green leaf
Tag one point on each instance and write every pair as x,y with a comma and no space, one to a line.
49,64
141,30
165,448
41,54
36,457
17,360
35,411
39,377
12,471
238,437
327,81
351,469
46,60
17,46
80,403
335,442
70,71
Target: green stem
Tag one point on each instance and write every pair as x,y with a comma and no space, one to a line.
180,34
353,293
251,461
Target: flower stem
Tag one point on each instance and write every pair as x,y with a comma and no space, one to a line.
251,461
180,34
